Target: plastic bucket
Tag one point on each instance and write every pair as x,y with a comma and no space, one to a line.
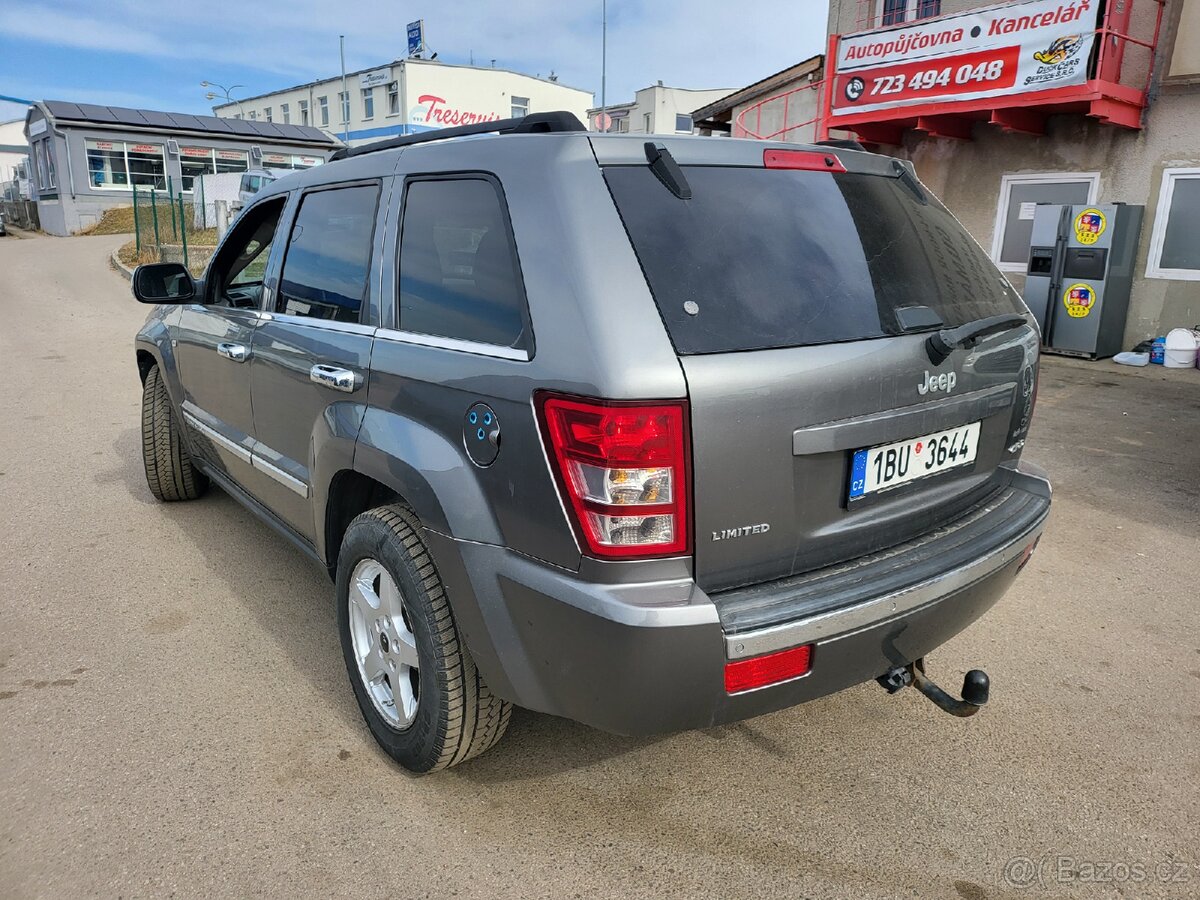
1179,351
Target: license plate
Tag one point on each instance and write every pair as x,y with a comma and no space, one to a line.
889,465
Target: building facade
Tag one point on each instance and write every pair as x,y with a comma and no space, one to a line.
85,159
1003,107
14,154
407,96
780,107
654,110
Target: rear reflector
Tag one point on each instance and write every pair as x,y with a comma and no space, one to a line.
759,671
623,468
809,160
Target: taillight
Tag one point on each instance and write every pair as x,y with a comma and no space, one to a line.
807,160
773,668
623,468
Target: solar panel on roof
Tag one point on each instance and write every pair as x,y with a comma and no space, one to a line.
158,119
96,113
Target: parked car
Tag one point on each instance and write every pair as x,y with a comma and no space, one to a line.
651,434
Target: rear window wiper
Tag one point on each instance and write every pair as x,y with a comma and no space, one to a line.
663,164
939,346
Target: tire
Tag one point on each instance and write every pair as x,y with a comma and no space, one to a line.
170,472
435,714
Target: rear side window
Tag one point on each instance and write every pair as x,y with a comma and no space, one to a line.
328,257
459,276
764,258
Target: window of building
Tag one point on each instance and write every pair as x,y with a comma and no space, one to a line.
195,161
368,100
253,114
895,12
458,267
46,168
285,113
393,98
622,125
1014,214
323,109
121,165
303,112
267,114
344,102
646,123
520,107
683,124
1174,247
329,254
927,9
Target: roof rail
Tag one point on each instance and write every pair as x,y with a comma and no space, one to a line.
534,123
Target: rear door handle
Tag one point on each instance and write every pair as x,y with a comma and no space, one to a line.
333,377
236,352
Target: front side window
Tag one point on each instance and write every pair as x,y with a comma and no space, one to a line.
520,107
459,276
121,165
237,271
328,259
323,108
368,101
393,98
1174,248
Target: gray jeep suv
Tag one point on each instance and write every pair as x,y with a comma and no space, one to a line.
650,434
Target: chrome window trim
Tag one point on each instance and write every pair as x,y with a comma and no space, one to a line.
457,344
314,322
872,612
288,481
216,437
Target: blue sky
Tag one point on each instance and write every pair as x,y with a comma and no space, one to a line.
155,54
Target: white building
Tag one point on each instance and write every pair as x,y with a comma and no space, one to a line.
13,155
655,110
408,96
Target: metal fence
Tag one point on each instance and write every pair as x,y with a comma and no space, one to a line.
163,224
21,213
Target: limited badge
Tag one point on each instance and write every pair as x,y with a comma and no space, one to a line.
1089,225
1079,300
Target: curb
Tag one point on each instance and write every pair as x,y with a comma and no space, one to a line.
115,262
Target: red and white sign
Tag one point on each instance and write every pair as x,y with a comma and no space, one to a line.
195,151
231,154
1009,49
145,148
432,110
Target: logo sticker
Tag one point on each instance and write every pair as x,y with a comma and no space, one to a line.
1089,225
1060,49
1079,300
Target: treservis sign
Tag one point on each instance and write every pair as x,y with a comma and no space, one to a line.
991,52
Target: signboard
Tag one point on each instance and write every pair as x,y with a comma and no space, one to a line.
992,52
376,78
195,151
231,154
36,127
416,37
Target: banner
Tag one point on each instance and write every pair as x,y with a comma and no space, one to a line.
1010,49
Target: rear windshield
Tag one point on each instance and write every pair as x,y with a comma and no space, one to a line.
763,258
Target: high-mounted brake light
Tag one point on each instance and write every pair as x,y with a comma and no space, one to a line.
623,468
809,160
773,668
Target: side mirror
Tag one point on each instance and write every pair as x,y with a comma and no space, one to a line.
163,283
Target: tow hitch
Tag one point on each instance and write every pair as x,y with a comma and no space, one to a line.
974,689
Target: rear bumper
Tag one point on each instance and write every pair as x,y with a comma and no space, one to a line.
645,658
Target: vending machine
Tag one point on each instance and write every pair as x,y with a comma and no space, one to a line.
1080,273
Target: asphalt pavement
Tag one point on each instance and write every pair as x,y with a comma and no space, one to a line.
175,717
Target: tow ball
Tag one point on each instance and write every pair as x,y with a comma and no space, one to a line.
974,689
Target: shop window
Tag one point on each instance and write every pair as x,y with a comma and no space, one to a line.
520,107
121,165
1174,249
344,103
368,101
1014,214
197,161
393,98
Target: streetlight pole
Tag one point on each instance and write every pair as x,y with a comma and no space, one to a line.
345,92
603,54
226,91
